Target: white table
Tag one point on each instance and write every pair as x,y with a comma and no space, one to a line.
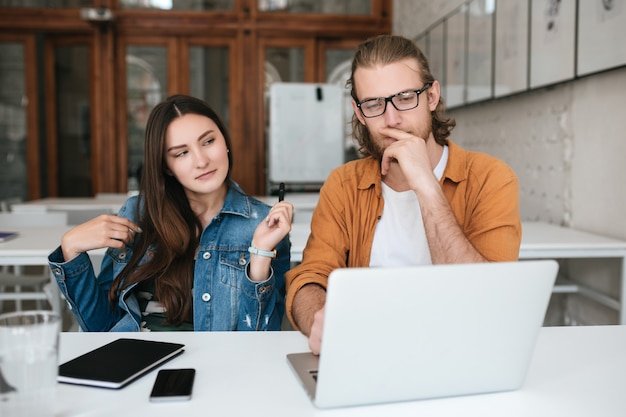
305,202
539,241
32,247
299,235
303,205
575,372
111,204
546,241
300,201
542,241
79,210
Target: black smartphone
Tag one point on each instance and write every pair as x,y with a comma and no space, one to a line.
173,385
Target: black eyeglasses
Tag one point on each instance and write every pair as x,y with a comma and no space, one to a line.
403,101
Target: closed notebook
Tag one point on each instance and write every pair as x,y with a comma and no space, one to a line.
118,363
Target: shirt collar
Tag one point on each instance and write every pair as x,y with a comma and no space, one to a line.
441,165
236,202
371,176
457,160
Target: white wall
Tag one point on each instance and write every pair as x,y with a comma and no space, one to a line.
599,158
567,144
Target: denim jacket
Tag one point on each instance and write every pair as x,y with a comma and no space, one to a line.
224,297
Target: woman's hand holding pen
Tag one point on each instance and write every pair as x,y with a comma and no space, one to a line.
104,231
278,223
268,235
274,227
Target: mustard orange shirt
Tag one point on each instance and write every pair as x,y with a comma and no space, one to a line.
483,193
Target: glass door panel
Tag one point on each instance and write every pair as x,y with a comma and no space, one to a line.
209,78
334,7
13,162
146,86
337,71
72,121
215,5
282,65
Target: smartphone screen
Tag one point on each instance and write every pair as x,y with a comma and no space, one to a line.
173,385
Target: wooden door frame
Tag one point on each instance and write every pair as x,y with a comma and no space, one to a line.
325,44
245,26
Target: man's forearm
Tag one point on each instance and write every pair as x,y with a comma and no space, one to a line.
307,301
448,245
446,241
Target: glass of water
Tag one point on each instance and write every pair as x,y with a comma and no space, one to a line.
29,343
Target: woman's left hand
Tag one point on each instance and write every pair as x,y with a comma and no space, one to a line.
274,227
268,235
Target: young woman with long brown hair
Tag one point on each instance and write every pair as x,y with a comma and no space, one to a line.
192,251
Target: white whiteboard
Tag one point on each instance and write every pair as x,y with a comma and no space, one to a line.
306,132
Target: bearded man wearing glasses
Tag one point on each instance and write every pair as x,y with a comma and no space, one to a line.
414,198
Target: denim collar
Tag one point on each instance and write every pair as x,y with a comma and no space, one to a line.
236,202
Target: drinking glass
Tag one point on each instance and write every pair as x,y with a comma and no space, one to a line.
28,363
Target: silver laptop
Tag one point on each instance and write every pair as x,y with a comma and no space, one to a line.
399,334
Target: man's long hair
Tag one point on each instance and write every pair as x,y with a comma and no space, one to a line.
170,229
384,50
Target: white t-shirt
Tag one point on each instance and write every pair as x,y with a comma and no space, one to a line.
400,239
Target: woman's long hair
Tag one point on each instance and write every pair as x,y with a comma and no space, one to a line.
387,49
168,224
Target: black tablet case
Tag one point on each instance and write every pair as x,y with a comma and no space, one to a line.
118,363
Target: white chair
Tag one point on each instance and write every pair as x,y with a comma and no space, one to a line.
16,277
5,205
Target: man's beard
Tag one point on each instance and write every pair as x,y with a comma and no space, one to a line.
378,147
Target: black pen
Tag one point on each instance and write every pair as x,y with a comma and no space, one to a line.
281,192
